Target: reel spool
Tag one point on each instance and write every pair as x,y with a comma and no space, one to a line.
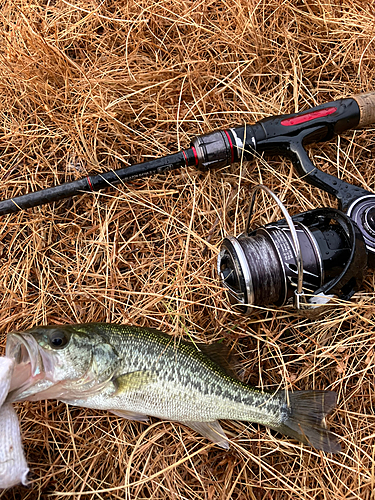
305,259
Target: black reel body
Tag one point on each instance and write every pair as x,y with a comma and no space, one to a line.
263,267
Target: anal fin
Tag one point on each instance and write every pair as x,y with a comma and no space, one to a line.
130,415
212,431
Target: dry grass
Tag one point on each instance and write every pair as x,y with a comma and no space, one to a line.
88,86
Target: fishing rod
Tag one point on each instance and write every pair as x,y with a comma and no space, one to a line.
283,135
337,244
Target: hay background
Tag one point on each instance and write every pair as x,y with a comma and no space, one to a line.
91,86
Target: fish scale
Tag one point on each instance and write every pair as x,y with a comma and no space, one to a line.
137,372
178,364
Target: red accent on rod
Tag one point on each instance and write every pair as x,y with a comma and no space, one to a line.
306,117
186,158
195,155
89,182
231,146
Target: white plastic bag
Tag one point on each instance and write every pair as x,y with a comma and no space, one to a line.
13,465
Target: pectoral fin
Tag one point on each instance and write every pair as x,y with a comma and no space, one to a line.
130,415
212,431
132,381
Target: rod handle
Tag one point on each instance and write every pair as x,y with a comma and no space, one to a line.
366,104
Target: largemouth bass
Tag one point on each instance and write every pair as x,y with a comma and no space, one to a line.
138,372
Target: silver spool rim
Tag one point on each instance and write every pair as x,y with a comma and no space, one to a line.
245,272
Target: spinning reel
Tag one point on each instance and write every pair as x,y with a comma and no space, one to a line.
308,258
305,259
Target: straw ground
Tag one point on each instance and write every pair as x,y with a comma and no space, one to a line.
88,86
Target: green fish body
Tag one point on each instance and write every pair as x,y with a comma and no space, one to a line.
137,372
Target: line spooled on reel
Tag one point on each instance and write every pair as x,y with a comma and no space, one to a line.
305,259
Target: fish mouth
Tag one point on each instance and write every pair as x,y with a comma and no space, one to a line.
32,365
24,350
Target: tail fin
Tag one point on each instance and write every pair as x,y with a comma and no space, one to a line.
305,419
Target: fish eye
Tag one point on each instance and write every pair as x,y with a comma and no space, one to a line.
58,339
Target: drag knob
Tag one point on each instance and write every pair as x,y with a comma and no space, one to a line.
368,219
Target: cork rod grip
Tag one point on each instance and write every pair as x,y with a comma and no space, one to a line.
366,104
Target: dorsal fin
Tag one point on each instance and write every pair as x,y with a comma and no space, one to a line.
220,354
